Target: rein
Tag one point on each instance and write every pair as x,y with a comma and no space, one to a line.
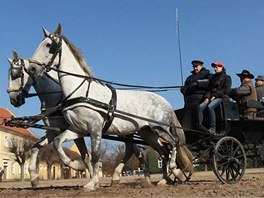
29,95
118,84
58,51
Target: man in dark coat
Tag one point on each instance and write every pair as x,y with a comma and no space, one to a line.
194,89
195,85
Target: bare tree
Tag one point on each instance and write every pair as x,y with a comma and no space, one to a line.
21,150
112,159
119,153
48,155
132,164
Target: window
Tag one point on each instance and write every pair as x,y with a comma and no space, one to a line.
20,145
7,143
13,168
13,142
26,169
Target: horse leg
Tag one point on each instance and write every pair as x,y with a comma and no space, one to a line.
34,176
142,157
153,140
68,135
167,136
120,166
84,154
95,146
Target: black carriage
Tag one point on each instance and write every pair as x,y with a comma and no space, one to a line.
238,138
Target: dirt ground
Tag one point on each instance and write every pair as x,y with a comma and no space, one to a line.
202,184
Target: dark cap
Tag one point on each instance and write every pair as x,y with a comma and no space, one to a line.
260,77
197,62
246,73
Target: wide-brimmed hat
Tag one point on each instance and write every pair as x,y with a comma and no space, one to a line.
219,64
246,73
197,62
260,77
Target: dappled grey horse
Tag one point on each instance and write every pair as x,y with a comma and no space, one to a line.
89,105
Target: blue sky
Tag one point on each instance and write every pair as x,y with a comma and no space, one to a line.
135,42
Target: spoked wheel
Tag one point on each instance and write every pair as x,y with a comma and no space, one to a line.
229,160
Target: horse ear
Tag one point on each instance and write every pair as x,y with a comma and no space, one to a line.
46,32
9,60
16,56
59,29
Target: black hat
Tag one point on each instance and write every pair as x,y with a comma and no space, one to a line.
197,62
246,73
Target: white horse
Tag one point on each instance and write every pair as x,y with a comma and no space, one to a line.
90,104
19,84
49,92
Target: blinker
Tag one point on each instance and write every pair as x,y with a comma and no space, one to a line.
16,73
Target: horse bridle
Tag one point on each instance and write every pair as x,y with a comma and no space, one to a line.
15,73
55,50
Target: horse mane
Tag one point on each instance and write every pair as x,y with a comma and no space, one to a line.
78,55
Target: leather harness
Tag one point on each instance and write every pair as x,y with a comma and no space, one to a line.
111,107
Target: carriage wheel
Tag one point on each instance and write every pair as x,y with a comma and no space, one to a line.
229,160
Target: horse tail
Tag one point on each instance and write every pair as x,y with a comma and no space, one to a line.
184,155
177,130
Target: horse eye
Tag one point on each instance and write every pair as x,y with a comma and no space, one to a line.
48,45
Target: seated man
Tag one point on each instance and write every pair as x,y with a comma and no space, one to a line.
244,93
260,93
194,89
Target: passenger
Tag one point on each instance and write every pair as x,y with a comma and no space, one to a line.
260,88
218,90
194,89
260,93
245,92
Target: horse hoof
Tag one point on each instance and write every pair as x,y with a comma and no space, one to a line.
146,183
162,182
115,182
178,174
35,182
90,186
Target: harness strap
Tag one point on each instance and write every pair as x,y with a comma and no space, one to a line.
110,113
111,107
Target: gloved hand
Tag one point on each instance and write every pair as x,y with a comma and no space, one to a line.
183,90
233,91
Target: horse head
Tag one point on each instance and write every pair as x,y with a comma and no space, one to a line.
47,54
19,81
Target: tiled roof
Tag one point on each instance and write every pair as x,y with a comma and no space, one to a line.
6,114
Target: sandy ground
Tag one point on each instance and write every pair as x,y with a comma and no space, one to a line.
202,184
